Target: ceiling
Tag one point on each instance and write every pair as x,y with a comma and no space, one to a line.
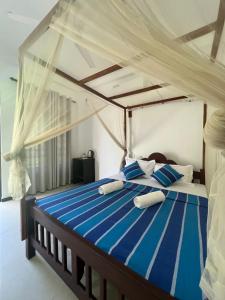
13,33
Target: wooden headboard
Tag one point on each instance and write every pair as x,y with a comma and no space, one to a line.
198,176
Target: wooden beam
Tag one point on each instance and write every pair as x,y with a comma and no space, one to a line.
139,91
184,38
218,30
87,88
101,73
38,31
77,82
197,33
156,102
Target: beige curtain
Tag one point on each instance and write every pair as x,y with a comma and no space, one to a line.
49,163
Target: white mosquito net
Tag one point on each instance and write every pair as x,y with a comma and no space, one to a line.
150,37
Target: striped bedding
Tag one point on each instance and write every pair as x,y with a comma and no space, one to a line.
166,243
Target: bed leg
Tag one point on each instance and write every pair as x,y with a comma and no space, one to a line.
30,251
27,224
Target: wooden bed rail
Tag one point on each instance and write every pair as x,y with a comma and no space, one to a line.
79,263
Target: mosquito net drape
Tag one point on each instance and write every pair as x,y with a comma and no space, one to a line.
133,33
35,122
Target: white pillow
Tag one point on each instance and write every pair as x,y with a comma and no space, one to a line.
187,171
146,166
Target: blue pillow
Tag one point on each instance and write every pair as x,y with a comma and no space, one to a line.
167,175
132,171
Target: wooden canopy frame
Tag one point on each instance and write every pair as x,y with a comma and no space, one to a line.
216,26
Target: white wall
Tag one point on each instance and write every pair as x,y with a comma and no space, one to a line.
91,135
82,138
7,100
173,129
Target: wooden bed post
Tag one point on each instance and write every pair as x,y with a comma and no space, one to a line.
130,150
202,171
27,224
125,130
125,133
125,137
204,122
39,30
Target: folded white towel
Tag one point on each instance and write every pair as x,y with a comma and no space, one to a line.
149,199
110,187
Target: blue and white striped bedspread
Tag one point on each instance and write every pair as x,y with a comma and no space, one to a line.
165,243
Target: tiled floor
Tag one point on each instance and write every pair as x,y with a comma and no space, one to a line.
21,279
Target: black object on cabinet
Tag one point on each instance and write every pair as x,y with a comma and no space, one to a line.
83,170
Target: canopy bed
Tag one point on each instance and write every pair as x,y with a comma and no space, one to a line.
121,243
133,35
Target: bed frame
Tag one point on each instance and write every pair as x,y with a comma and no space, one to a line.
198,176
45,234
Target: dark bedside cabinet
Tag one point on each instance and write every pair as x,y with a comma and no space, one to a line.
83,170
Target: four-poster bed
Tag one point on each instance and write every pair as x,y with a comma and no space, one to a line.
44,233
128,34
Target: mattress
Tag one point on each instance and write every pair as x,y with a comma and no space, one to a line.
165,243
